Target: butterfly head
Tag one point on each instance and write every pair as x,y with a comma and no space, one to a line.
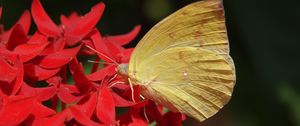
122,69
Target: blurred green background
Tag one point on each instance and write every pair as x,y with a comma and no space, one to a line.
264,38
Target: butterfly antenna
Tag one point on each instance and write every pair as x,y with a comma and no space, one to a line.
92,61
115,63
132,90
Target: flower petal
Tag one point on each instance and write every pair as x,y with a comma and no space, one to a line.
20,75
84,25
124,119
44,24
137,120
56,120
88,104
35,72
81,81
16,110
37,38
154,114
87,51
7,55
69,94
64,20
105,109
60,58
29,51
173,119
17,37
101,47
45,93
120,101
70,21
115,50
42,94
41,111
128,93
7,72
99,43
125,55
74,16
81,117
100,74
126,38
25,21
54,47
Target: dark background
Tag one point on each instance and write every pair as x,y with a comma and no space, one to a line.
264,38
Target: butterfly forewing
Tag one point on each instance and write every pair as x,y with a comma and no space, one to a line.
200,24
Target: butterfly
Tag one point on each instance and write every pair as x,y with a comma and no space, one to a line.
183,62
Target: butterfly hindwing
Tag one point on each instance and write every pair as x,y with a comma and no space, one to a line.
194,81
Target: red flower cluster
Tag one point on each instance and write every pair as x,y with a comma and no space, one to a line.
49,57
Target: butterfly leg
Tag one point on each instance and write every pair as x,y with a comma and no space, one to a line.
113,84
113,77
144,109
145,114
132,90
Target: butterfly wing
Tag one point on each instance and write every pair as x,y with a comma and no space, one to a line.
200,24
191,80
183,62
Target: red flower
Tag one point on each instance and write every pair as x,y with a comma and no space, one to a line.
37,68
24,22
73,29
15,109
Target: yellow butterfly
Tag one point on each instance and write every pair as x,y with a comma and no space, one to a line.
183,62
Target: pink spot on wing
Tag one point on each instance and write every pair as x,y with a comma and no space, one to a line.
172,35
197,34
